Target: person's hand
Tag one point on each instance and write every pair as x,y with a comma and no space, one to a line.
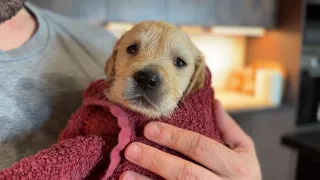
237,160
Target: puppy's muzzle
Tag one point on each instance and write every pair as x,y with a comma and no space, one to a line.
147,79
147,88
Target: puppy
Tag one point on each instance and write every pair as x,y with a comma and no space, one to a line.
153,66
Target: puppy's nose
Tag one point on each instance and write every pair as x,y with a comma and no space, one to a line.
147,79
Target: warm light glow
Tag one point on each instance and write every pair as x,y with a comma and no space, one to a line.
196,30
118,28
271,65
222,54
238,31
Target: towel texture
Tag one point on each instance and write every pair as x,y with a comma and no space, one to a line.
93,143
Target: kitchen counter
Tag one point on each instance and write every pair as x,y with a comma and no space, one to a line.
238,102
306,143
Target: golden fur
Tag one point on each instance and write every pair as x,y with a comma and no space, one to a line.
159,44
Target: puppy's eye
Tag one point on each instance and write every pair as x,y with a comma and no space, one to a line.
133,49
179,62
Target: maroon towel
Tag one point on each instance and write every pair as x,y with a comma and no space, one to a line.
70,159
98,117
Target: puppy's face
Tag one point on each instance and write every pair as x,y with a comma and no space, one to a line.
152,67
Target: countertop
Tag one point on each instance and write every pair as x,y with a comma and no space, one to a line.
238,102
305,140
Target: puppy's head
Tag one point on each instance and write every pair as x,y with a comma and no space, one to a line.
152,67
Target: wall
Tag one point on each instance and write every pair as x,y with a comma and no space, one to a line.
282,44
222,53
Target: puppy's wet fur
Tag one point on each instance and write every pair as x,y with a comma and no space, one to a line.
152,67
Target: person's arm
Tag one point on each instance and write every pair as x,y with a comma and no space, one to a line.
237,160
71,159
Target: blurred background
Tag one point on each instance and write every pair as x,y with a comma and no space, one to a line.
263,55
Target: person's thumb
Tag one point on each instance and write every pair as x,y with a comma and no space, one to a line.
231,133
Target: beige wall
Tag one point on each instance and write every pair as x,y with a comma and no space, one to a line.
222,53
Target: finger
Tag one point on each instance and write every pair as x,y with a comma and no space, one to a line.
230,131
165,165
207,152
129,175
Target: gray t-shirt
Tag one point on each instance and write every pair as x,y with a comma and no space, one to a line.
41,82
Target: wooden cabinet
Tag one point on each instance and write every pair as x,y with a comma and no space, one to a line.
95,13
136,10
195,12
180,12
192,12
247,13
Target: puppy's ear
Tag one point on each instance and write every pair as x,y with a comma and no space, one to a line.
109,67
197,80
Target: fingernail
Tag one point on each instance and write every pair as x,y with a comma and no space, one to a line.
133,152
152,130
128,176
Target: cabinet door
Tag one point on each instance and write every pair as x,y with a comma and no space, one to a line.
94,11
192,12
136,10
247,12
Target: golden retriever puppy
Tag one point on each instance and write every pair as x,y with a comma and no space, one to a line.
152,67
